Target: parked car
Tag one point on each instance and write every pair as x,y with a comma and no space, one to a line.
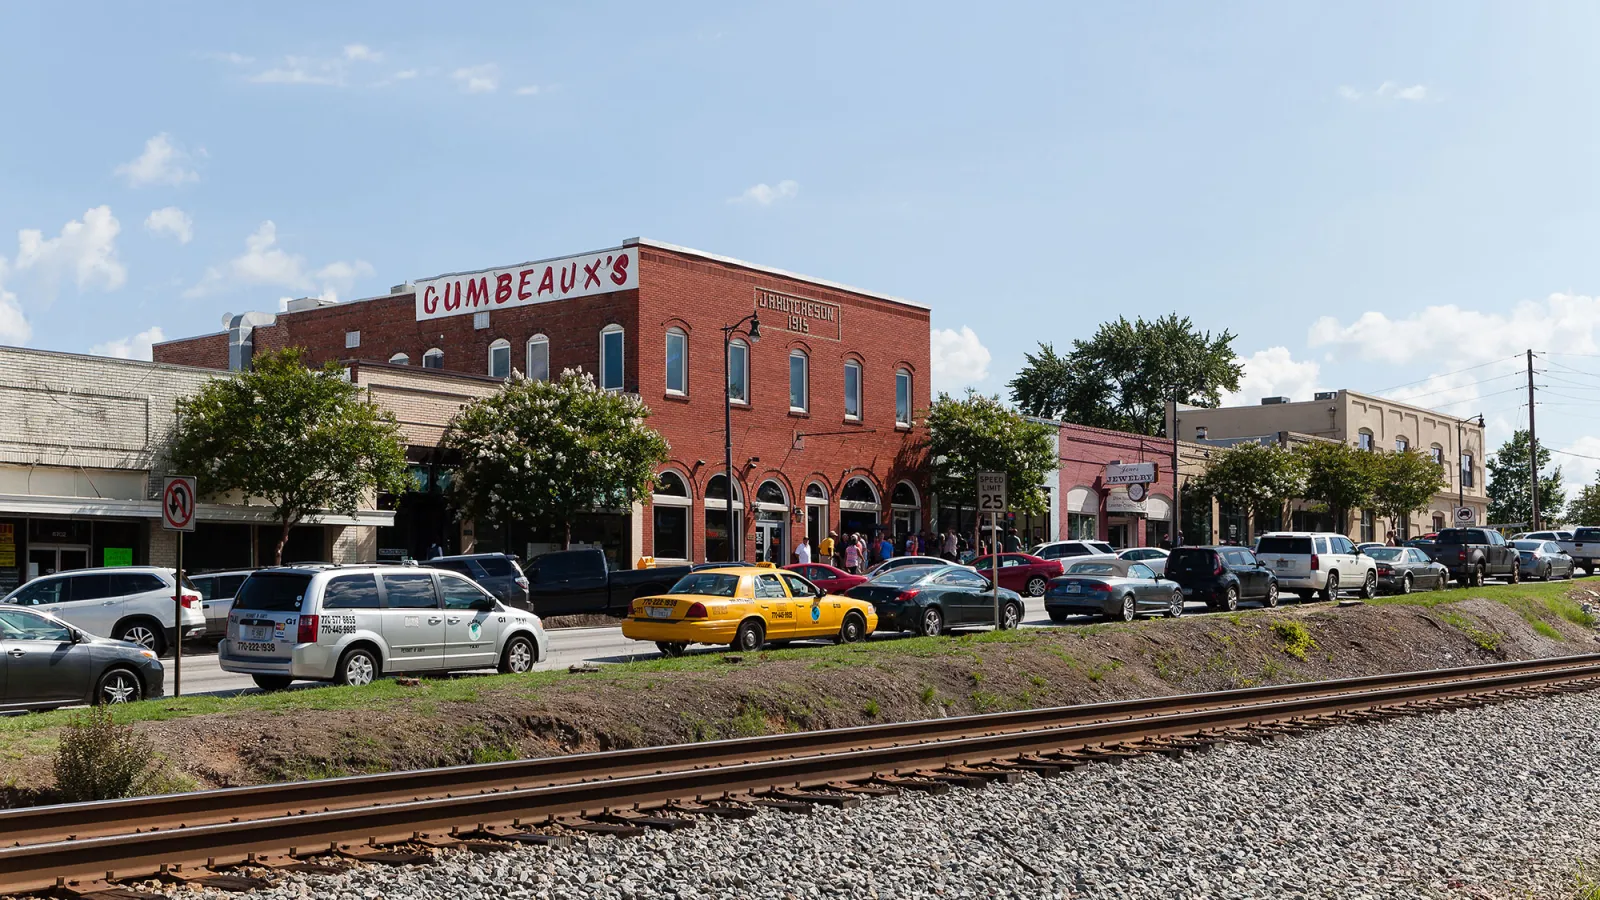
1544,560
1118,589
1065,549
1309,563
351,624
1421,543
1557,536
1154,557
1584,548
1402,569
216,598
574,582
48,663
930,600
832,579
1222,576
496,573
745,607
1021,572
900,562
1364,546
1473,554
126,603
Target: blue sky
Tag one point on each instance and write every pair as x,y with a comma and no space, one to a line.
1367,194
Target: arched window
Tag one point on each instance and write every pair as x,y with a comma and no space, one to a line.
1401,445
1364,440
433,359
677,361
858,507
852,390
902,397
907,509
717,492
724,521
770,493
859,490
1436,453
670,506
816,493
611,358
538,368
500,359
799,381
739,372
400,359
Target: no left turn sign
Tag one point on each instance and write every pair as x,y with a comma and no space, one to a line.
177,503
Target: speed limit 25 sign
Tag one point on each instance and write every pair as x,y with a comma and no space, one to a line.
991,492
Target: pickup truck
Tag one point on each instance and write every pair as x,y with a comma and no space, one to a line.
582,582
1473,554
1584,548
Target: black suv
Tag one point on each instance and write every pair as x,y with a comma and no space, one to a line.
1222,576
498,573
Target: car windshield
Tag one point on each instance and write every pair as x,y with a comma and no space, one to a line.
711,584
1528,545
1088,568
1284,545
1587,534
1185,559
272,592
905,575
1459,536
1384,553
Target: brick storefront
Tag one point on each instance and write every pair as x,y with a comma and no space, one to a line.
778,452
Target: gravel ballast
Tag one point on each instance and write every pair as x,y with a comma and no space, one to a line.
1498,801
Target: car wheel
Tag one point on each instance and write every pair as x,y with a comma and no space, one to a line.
1477,576
1175,605
1058,616
1545,576
1516,574
1129,610
1405,584
118,686
1369,587
1010,616
1036,586
932,623
1330,591
672,648
358,666
144,633
517,658
270,683
1272,595
1230,599
750,636
853,629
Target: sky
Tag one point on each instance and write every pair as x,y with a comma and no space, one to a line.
1389,198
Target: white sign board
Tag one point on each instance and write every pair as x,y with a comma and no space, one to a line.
1123,502
177,503
1465,515
464,293
1130,473
991,492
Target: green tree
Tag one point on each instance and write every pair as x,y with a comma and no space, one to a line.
1585,507
1404,483
1340,477
1256,477
1509,474
303,440
546,451
1125,375
978,434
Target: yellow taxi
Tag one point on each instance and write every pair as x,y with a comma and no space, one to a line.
745,607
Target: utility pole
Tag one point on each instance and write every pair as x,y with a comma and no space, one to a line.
1177,489
1533,448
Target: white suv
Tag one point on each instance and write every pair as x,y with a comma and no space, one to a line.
127,603
350,624
1069,549
1308,563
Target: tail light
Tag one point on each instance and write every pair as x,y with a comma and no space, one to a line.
1461,556
904,596
697,611
1100,586
191,600
522,582
1385,570
307,632
1057,568
1315,563
1217,570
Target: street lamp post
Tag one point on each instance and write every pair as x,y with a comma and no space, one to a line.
735,542
1461,452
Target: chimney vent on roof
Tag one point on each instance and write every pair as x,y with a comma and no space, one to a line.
1327,395
1273,401
301,304
407,288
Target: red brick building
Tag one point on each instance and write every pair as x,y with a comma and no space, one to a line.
826,418
1092,509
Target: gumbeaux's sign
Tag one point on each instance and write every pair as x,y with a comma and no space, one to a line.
557,279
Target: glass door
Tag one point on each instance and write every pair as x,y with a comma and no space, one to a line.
48,560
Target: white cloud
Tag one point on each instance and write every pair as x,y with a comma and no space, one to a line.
958,358
1565,323
14,327
86,250
484,79
265,263
1580,469
171,220
304,70
237,59
1415,93
405,75
527,90
765,195
136,347
1389,90
1348,92
1274,372
160,163
361,53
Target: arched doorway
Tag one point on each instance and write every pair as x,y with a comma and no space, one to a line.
907,507
816,516
859,507
670,505
772,523
724,520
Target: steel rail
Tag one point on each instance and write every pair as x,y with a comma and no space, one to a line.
37,866
44,824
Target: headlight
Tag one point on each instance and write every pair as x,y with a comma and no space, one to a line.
147,654
871,609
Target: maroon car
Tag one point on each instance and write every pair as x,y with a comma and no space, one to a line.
1026,574
834,581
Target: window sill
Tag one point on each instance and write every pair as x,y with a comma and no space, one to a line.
673,395
799,413
852,421
902,426
739,404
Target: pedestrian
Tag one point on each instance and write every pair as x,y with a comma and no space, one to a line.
435,551
952,544
826,548
885,549
802,553
1013,544
852,557
1392,541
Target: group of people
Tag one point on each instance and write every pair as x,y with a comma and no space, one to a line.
856,553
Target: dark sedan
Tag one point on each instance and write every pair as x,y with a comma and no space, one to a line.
48,663
1402,569
1119,589
930,600
1222,576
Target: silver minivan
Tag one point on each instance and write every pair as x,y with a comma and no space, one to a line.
349,624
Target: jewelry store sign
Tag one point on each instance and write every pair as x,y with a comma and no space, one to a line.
801,315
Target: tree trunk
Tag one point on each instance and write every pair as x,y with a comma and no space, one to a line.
283,539
566,542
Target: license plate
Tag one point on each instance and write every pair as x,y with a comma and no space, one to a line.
1074,588
258,633
1283,562
1188,591
659,612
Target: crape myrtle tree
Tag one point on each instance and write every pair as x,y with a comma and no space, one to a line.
1404,482
547,451
978,434
303,440
1257,477
1585,507
1340,477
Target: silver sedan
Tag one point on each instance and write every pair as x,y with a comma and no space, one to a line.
46,663
1543,560
1119,589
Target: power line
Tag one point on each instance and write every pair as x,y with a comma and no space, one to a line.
1459,387
1448,374
1481,396
1570,453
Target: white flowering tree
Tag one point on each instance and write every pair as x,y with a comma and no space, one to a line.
543,452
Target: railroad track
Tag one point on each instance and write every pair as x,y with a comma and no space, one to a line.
211,837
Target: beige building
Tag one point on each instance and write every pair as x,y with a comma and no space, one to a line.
1372,423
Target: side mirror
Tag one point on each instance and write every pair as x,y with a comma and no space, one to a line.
821,592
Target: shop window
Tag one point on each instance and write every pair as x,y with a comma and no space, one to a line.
433,359
400,359
352,340
902,398
611,358
538,358
739,372
723,520
852,390
670,506
858,507
799,378
1082,527
500,359
677,361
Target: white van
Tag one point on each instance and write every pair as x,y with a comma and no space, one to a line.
350,624
1308,563
125,603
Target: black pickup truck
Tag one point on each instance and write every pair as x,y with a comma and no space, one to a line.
579,582
1473,554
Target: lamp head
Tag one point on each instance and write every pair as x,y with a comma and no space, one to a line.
755,329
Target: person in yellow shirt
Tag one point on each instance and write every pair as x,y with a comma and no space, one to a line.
825,549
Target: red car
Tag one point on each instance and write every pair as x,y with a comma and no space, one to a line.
834,581
1021,572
